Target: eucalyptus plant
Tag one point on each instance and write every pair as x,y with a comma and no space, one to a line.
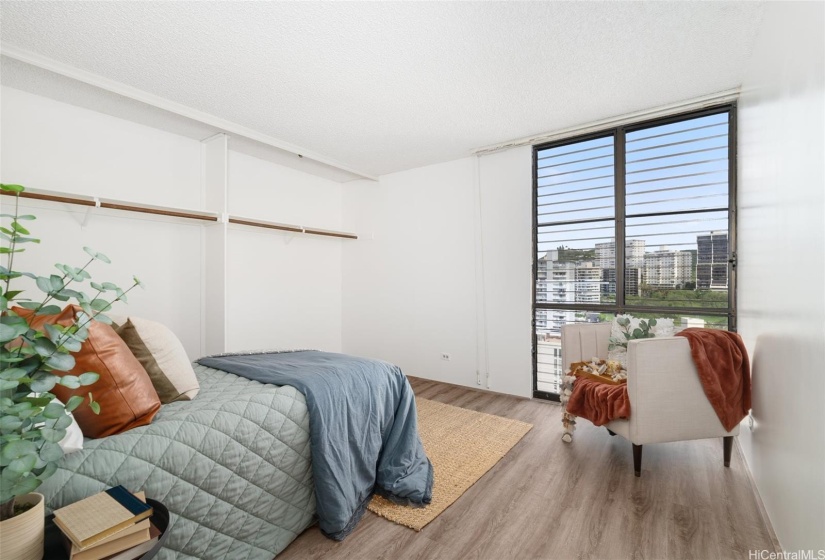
642,331
32,362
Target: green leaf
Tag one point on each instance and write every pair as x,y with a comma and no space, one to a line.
52,435
51,452
44,347
71,293
54,332
92,253
101,305
138,282
57,282
43,382
12,188
42,400
72,344
44,284
70,381
105,319
6,384
49,310
28,304
95,407
19,229
637,333
88,378
17,408
63,422
652,322
21,239
24,464
61,362
97,286
16,449
9,332
103,258
53,410
6,251
47,471
13,374
19,487
26,217
10,423
110,286
73,402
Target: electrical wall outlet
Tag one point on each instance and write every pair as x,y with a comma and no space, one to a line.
445,356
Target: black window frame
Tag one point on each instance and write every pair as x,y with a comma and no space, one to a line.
619,147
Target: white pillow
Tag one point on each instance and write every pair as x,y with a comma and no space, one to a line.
163,357
73,440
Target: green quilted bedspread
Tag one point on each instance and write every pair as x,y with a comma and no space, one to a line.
232,466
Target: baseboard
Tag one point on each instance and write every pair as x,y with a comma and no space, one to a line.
763,513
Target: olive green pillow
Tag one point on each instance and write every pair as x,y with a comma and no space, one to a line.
163,357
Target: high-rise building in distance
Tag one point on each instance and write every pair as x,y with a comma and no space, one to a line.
712,261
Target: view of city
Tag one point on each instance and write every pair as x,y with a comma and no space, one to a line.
676,231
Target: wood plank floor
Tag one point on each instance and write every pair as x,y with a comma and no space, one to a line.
548,499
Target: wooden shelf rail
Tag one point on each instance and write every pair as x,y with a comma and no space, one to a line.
90,201
287,227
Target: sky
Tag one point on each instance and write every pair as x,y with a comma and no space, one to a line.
576,182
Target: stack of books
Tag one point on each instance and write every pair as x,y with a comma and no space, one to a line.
112,525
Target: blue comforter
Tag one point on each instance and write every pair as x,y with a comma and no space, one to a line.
363,429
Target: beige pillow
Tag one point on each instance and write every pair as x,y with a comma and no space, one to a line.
162,355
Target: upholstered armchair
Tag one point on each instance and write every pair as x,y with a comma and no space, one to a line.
667,401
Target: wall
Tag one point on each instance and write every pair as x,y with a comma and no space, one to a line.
781,270
293,282
284,290
50,145
415,282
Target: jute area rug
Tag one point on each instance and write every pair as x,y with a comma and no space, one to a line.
462,445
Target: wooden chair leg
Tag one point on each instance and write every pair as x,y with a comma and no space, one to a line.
611,432
637,459
727,444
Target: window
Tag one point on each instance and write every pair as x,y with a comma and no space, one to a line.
637,219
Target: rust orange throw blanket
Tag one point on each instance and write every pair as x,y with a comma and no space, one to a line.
724,370
598,402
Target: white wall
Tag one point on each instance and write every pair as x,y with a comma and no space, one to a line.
282,291
781,270
54,146
413,284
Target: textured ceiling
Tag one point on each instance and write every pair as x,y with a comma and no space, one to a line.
388,86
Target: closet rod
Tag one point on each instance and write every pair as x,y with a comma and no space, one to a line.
172,212
88,201
287,227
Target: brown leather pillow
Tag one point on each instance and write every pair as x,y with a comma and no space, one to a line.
125,392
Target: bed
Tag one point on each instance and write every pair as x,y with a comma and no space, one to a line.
233,467
273,442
